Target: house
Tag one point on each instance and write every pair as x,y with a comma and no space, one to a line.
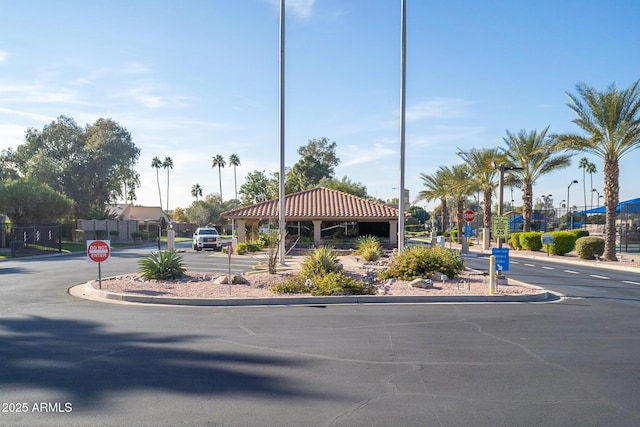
320,212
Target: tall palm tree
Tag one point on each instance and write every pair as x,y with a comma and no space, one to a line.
461,184
591,169
611,120
156,163
196,191
437,189
218,161
536,155
234,161
167,164
481,162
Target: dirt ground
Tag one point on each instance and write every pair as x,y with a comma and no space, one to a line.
258,284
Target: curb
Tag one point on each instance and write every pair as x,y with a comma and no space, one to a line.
88,290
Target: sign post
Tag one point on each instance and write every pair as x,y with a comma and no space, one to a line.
98,251
229,250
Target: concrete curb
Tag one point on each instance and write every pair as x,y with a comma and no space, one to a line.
104,296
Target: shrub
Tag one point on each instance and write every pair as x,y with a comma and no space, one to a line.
136,235
321,261
335,283
292,285
418,261
514,240
563,243
531,240
162,265
580,232
587,247
101,234
241,248
369,248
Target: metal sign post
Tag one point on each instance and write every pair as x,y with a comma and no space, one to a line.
98,251
229,250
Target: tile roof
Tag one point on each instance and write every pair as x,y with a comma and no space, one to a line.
317,203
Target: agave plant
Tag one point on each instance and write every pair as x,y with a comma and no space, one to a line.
321,261
162,265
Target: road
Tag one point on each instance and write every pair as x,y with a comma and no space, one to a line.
80,363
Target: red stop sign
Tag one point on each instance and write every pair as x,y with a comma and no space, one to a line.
98,250
468,215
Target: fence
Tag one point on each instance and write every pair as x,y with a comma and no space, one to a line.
36,239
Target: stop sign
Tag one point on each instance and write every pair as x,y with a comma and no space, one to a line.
98,250
468,215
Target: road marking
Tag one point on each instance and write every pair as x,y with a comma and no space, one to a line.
571,272
514,262
530,265
548,268
630,282
595,276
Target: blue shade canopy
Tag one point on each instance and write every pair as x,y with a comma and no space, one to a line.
628,206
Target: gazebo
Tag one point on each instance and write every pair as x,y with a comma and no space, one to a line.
320,209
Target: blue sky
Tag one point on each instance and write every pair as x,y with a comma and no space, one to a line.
193,79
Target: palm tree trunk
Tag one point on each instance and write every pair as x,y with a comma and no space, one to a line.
220,181
167,189
459,209
443,214
611,191
527,207
159,191
235,182
487,208
584,187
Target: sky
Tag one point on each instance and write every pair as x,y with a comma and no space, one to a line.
196,78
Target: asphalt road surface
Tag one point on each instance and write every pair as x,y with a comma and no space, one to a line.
70,362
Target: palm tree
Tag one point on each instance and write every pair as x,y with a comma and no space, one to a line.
591,169
534,155
481,162
234,161
218,161
156,163
611,120
196,191
461,184
437,189
167,164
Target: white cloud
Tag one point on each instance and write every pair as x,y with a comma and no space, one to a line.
449,135
3,55
355,155
28,114
300,8
443,108
11,136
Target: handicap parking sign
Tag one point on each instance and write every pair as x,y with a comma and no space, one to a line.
502,258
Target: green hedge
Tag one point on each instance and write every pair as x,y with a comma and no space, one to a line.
587,247
580,232
563,243
531,240
514,240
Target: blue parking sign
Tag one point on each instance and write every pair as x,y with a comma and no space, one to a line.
502,258
468,231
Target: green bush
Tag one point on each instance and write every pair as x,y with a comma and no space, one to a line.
418,261
335,283
563,243
292,285
531,240
241,248
587,247
321,261
514,240
454,234
580,232
136,235
369,248
101,234
162,265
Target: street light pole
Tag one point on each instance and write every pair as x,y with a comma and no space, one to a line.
569,212
560,210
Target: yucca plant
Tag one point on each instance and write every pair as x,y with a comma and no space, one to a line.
321,261
162,265
369,248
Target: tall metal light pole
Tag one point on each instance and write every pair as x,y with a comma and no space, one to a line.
403,73
569,212
282,224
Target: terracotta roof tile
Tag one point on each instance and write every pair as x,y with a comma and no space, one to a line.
317,203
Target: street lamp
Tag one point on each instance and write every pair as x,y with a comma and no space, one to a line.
575,181
559,210
598,201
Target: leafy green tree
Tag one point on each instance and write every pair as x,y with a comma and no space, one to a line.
167,164
318,159
611,121
29,202
219,162
345,185
536,155
200,213
258,188
234,161
87,164
419,213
